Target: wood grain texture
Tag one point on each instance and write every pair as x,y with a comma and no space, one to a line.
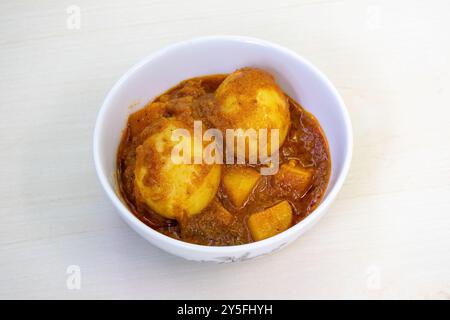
386,236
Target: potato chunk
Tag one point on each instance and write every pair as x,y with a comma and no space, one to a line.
238,182
295,180
271,221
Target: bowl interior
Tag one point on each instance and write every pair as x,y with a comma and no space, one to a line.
204,56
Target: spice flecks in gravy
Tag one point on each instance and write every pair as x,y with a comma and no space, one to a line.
305,168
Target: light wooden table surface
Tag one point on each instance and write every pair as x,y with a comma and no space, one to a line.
386,236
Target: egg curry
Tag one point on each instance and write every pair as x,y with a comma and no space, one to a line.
223,203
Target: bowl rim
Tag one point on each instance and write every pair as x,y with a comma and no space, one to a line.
282,237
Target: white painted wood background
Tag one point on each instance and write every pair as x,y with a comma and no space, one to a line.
386,236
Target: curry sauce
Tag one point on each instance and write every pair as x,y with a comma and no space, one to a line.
222,222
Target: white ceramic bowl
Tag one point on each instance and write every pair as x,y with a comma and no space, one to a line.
211,55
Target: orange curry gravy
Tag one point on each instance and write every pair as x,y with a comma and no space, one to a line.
305,144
